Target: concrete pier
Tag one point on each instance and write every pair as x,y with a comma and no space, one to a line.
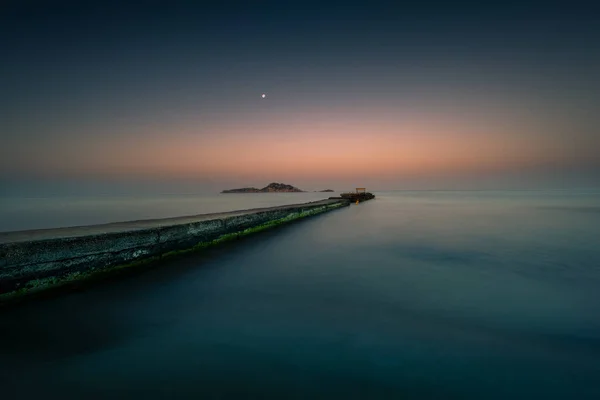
36,260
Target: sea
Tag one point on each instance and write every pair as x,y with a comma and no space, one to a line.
413,295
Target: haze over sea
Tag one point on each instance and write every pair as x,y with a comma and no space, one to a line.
417,294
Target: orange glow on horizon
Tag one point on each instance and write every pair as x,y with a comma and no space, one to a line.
340,147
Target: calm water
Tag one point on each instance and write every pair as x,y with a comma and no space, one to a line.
465,295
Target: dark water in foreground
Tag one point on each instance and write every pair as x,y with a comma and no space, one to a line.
464,295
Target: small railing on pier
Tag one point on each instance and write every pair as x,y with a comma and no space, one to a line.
358,196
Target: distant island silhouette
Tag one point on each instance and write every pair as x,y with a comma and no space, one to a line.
270,188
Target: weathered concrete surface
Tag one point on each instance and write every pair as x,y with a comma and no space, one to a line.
31,261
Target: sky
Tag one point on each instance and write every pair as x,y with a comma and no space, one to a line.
386,95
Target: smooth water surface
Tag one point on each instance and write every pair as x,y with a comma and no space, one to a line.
466,295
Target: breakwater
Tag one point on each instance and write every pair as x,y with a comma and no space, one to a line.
36,260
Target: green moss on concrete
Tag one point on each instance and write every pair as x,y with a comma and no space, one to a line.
57,282
259,228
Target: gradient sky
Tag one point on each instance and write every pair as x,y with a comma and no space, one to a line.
377,94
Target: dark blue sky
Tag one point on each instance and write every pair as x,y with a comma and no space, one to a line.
108,89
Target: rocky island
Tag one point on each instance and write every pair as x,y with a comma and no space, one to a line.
270,188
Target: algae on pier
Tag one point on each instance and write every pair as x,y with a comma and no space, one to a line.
32,266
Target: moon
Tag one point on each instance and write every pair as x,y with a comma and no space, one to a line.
263,95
